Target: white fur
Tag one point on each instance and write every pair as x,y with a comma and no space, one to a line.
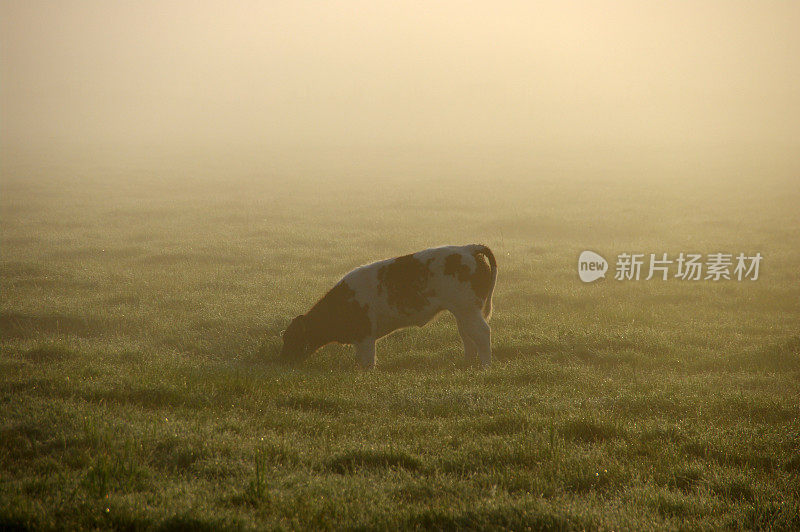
444,292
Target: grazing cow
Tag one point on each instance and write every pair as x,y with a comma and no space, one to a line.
375,300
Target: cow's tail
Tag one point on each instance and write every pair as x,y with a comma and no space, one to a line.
486,252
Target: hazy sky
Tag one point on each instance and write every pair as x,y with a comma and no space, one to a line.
457,73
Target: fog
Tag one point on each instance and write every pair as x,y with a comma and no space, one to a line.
498,87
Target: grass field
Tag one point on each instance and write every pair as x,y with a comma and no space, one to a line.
140,322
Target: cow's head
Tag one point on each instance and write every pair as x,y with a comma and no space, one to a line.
296,340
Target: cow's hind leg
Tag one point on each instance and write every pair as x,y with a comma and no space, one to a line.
470,349
365,353
478,331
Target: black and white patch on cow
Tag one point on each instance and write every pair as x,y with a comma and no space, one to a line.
375,300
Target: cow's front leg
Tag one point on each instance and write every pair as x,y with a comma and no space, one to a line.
365,353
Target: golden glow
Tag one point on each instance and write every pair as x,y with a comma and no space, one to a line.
585,79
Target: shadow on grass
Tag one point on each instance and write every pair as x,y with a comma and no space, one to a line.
188,523
677,505
353,461
422,363
267,354
709,451
176,455
13,269
53,352
148,397
15,325
686,478
503,424
320,405
783,355
793,464
584,480
27,275
584,431
734,489
14,524
504,518
39,386
41,439
22,441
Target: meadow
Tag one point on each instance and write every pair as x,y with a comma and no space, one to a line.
141,318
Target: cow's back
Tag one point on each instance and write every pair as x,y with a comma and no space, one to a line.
411,289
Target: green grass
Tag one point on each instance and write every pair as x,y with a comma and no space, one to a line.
139,390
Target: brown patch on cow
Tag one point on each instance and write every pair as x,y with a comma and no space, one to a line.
453,266
480,280
404,281
338,317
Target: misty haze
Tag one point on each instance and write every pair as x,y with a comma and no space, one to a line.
182,182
